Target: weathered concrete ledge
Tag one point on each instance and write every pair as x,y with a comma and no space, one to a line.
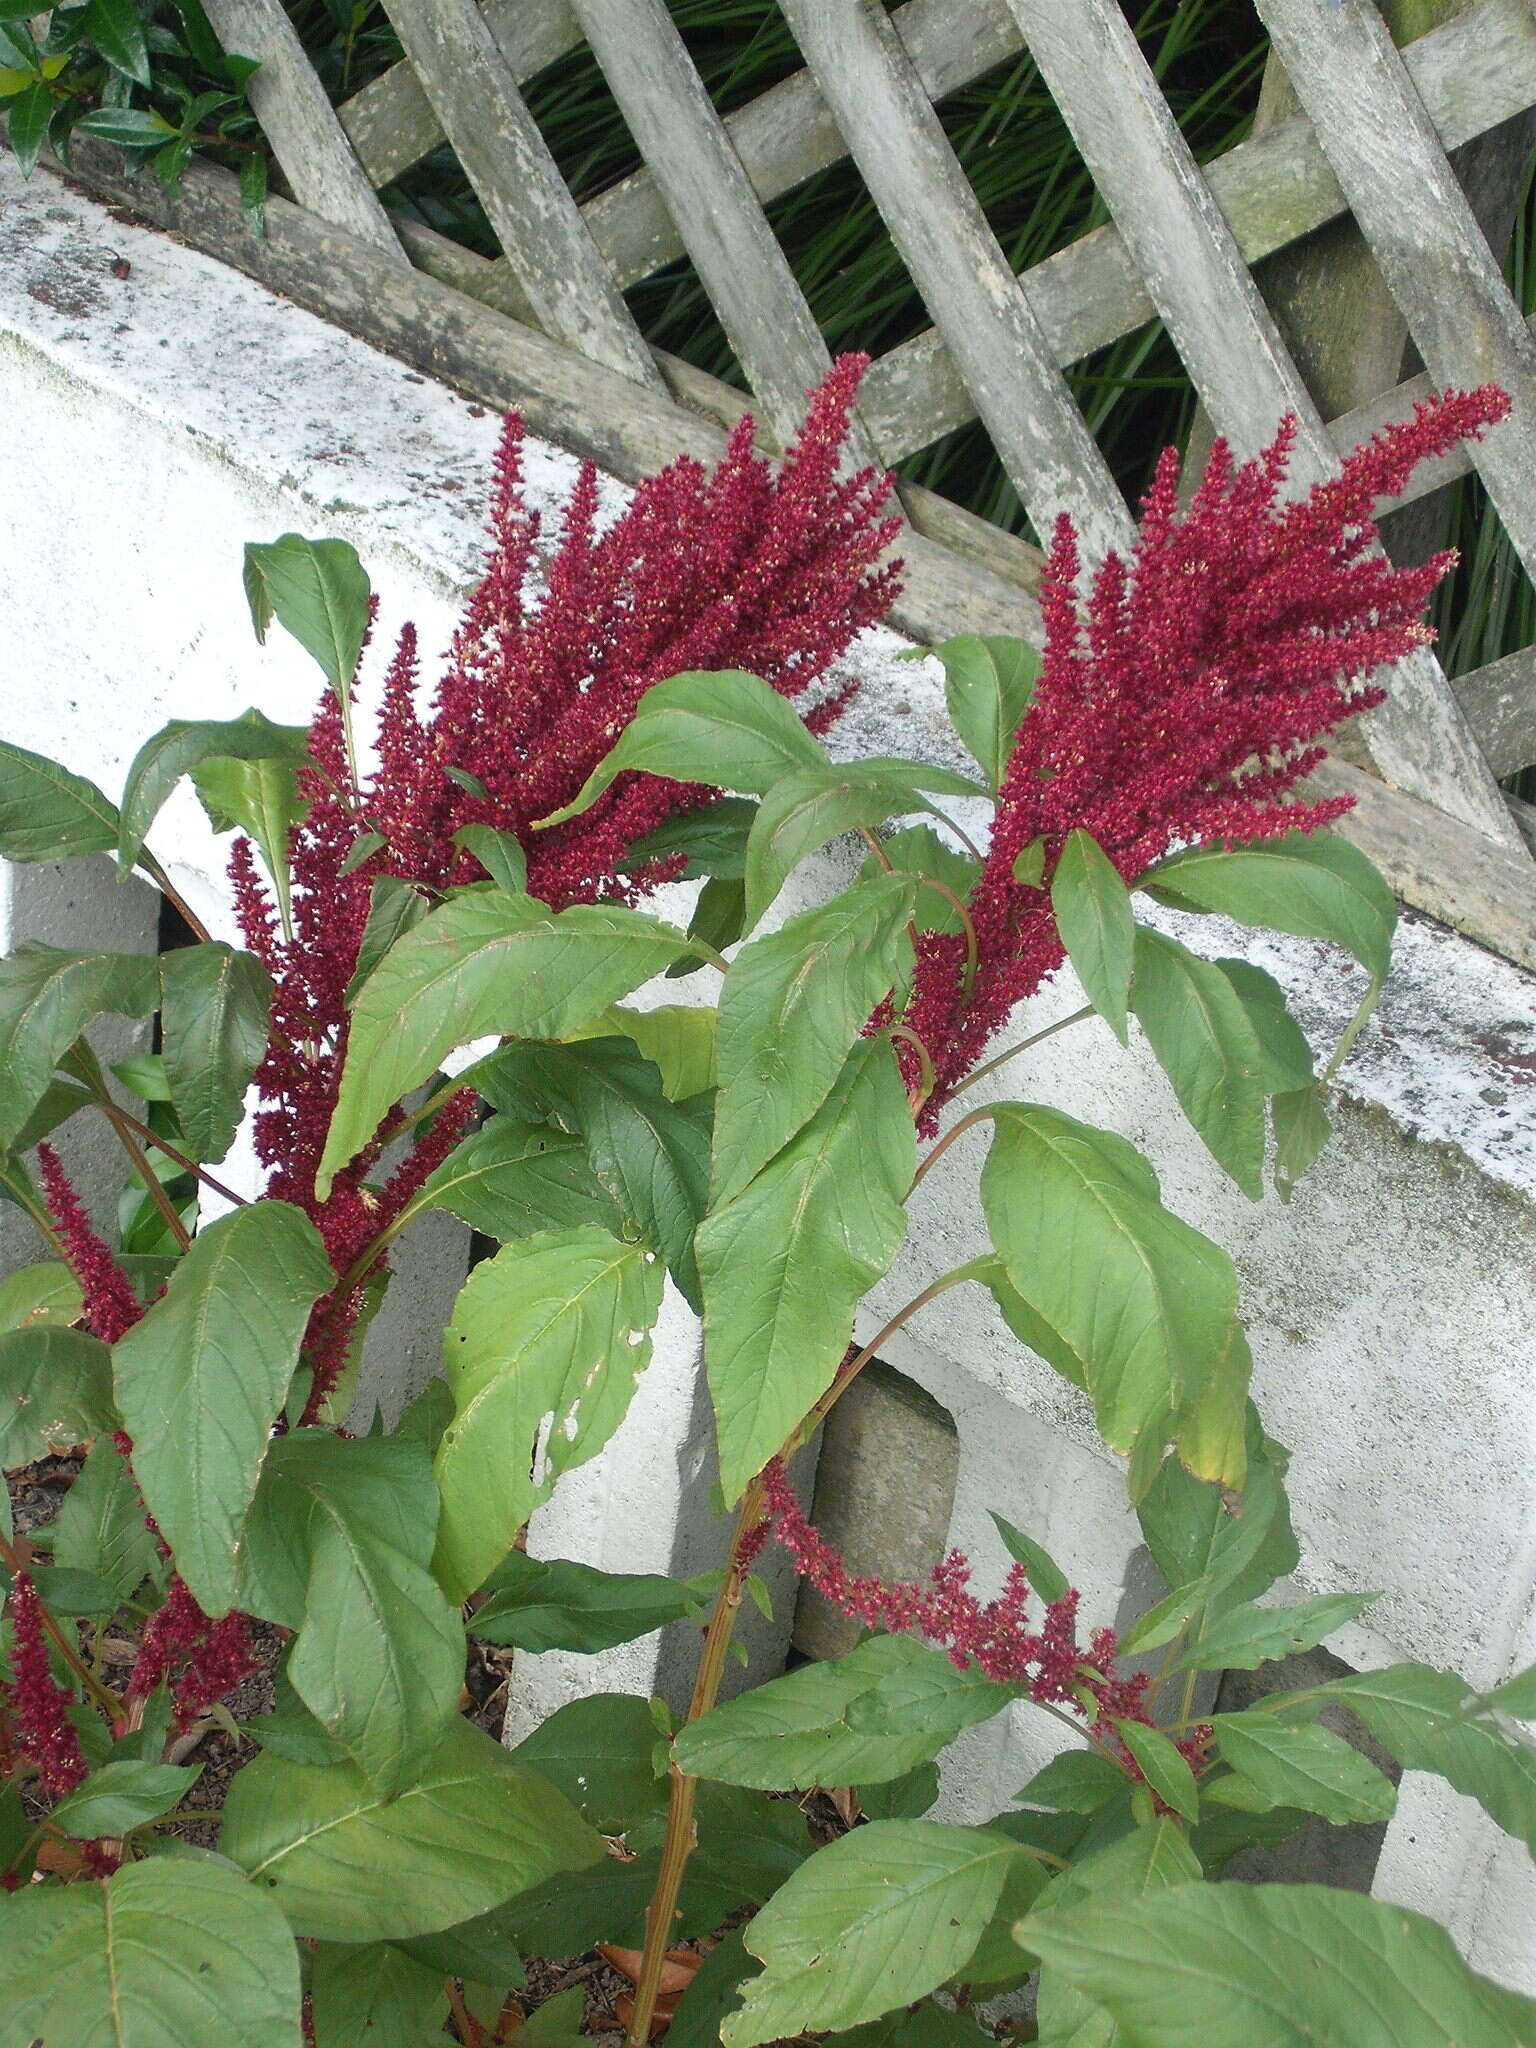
161,410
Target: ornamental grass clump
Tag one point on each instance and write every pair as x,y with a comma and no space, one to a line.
233,1573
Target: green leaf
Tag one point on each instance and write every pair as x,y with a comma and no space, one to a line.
1029,867
905,1798
55,1391
46,813
1205,1042
364,847
374,1996
120,1796
718,921
930,2026
499,853
1077,1781
395,908
815,804
162,1954
785,1264
1201,1534
482,1950
511,1179
725,730
1246,1637
46,1295
989,682
1307,1767
216,1010
346,1864
1161,1764
1515,1696
317,590
261,799
1313,885
918,850
482,964
677,1039
202,1378
183,745
101,1527
1278,1966
713,840
876,1714
538,1604
875,1920
1046,1576
1164,1620
127,127
1092,907
1302,1129
545,1346
996,1961
114,27
253,193
26,126
1149,1305
600,1752
1425,1718
792,1006
715,1988
47,997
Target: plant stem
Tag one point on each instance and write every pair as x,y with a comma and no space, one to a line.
210,1181
157,1194
966,1123
1039,1038
463,2019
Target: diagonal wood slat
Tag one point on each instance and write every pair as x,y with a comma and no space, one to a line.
526,200
1200,284
966,282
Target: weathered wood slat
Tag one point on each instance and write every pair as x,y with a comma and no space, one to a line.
392,123
1221,327
1472,74
507,161
298,121
740,264
1500,703
966,281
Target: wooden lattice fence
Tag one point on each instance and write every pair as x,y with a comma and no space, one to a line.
546,325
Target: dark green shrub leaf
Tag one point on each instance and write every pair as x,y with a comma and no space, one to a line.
46,813
718,921
202,1378
1307,1767
128,127
715,1989
876,1714
55,1391
482,964
472,1829
1149,1305
539,1604
101,1528
725,730
120,1796
374,1995
875,1920
483,1950
1092,907
791,1009
678,1040
1235,1966
183,745
989,682
601,1753
1246,1637
114,27
47,997
26,125
253,191
785,1264
510,1179
180,1951
216,1009
317,590
553,1331
905,1798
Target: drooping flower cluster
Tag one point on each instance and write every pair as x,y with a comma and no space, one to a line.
215,1656
1184,700
39,1705
111,1308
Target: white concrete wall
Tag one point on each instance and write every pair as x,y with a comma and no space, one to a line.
156,421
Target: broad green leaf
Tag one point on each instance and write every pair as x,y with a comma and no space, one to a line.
484,964
499,853
203,1377
26,126
114,27
918,850
677,1039
1302,1129
261,799
180,747
1307,1767
716,1987
1166,1618
1149,1305
718,921
785,1264
216,1006
1092,908
47,997
46,813
482,1950
791,1009
1287,1055
394,909
317,590
35,1297
989,682
930,2026
887,1707
1161,1764
120,1795
55,1391
1206,1043
712,839
374,1995
1311,884
905,1798
1426,1719
997,1962
1278,1966
1515,1696
600,1751
1246,1637
875,1920
726,730
1046,1576
1077,1781
1027,1325
1199,1534
538,1604
346,1864
127,127
815,804
511,1179
162,1954
545,1346
101,1526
